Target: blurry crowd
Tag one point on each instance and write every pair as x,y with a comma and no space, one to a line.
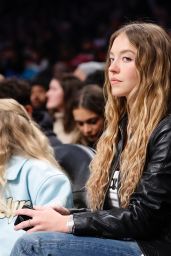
68,107
42,34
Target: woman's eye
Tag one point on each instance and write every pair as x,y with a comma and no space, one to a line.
111,59
126,59
79,123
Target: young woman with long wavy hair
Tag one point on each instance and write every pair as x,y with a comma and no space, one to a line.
129,189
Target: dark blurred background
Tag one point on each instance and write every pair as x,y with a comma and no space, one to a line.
37,34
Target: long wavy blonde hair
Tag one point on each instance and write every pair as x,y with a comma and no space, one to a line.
145,108
19,135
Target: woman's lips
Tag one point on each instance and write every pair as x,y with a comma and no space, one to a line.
115,81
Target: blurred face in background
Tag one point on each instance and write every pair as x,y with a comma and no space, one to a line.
55,96
38,97
89,123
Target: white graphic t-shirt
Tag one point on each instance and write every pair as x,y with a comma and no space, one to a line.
113,190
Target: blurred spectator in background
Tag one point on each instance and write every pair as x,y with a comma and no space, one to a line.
97,77
34,63
59,95
38,94
1,77
39,88
35,34
19,90
87,68
59,68
88,112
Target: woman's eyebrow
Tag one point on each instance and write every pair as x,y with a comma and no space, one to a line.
128,51
124,51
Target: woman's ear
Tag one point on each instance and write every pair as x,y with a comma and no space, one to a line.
29,109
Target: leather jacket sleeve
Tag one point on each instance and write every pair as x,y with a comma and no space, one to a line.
150,205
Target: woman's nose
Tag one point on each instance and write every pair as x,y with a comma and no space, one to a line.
114,66
87,129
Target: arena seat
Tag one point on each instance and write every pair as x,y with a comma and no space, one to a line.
75,160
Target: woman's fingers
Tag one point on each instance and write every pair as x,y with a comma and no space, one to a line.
23,225
43,220
62,210
25,211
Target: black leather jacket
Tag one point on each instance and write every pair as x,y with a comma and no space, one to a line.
148,217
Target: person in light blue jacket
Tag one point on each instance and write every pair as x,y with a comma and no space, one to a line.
29,173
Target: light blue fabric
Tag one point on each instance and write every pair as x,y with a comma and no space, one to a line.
30,181
58,244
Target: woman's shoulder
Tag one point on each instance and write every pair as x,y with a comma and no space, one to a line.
41,172
43,165
162,129
31,164
165,123
34,168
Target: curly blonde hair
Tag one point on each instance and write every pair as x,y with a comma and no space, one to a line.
144,108
19,135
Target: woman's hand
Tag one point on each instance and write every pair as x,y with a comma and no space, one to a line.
62,210
43,219
58,208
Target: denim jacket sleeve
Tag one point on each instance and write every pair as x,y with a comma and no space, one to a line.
149,210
